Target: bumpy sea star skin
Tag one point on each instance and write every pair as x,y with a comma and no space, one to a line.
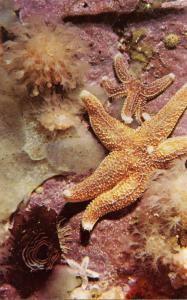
124,174
137,92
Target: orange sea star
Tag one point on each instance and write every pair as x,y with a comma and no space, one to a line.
136,91
134,155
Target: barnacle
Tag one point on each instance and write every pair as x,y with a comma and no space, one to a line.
43,56
171,40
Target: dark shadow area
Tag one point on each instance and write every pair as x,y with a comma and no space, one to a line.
32,250
71,209
84,236
114,19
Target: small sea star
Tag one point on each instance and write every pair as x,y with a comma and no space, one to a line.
137,92
135,154
81,270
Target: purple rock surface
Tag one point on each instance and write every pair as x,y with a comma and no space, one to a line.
66,8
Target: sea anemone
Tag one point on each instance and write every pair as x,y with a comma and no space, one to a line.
35,244
158,233
57,114
38,241
44,56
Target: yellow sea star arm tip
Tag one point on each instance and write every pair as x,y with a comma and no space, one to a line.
118,55
87,226
182,89
104,78
172,76
126,119
67,193
146,116
85,94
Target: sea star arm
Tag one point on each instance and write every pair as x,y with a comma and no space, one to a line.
155,88
111,170
140,112
160,126
121,68
123,194
111,132
171,149
133,102
148,92
113,91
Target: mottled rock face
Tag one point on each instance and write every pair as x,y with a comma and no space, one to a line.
87,7
66,8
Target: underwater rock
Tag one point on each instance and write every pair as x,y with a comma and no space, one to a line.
177,4
103,46
67,8
87,7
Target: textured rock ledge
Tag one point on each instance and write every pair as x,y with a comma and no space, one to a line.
67,8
